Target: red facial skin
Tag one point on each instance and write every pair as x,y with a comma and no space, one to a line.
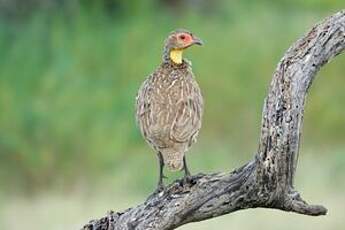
186,39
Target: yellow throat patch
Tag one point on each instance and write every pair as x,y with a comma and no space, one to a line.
176,56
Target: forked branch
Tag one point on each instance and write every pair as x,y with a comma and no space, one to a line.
267,180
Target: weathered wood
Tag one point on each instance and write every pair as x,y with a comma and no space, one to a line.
267,180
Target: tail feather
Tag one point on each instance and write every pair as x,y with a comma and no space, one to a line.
173,159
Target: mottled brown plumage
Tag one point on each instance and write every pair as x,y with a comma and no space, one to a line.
169,105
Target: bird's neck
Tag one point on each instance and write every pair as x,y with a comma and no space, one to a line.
176,56
172,55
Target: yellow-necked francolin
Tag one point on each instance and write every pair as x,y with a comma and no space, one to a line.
169,105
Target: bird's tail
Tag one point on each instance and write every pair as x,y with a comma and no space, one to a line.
173,159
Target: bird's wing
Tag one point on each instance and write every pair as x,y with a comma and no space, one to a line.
143,106
187,123
147,112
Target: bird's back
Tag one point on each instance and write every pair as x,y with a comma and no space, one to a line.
169,111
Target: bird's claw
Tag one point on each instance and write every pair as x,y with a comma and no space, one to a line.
158,192
187,179
160,188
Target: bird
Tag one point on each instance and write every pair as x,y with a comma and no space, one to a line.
169,105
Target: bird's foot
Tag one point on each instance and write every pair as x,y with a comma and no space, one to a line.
159,192
187,179
160,188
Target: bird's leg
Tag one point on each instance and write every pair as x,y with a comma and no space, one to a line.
187,175
160,186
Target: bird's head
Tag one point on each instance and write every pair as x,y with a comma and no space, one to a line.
178,41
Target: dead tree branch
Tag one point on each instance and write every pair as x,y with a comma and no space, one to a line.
267,180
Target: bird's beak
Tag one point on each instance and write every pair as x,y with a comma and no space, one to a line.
197,41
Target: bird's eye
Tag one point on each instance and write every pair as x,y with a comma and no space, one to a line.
182,37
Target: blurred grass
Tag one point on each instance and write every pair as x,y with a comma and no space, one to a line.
68,83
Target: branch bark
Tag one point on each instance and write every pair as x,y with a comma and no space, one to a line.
267,180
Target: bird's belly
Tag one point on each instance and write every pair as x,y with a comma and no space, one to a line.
162,121
173,119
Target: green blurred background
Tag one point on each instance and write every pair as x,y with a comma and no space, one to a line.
69,72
